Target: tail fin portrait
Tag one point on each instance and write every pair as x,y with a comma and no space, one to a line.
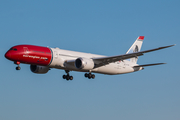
136,47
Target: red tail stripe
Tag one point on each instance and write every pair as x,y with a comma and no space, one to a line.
141,37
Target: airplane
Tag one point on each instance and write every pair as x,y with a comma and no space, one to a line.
42,59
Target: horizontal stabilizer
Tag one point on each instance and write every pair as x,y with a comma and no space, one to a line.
149,65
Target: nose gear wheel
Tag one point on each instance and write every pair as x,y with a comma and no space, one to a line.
18,68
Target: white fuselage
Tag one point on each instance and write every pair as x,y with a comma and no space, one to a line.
61,56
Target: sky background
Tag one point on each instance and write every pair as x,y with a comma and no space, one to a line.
106,27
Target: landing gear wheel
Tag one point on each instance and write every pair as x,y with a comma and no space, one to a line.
71,77
86,74
64,76
18,68
92,76
89,75
67,77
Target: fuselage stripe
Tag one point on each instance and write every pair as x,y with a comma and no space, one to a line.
51,56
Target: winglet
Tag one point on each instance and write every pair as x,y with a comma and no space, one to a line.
141,38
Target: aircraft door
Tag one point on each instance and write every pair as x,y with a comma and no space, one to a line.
26,51
57,60
56,54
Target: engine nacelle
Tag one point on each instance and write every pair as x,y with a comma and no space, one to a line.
84,63
39,69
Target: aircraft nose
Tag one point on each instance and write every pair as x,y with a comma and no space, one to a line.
8,55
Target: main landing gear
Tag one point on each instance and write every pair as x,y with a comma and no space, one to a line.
89,75
67,77
18,67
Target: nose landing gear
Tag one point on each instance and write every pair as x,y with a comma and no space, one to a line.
67,77
18,67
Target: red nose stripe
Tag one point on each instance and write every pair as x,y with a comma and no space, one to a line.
30,54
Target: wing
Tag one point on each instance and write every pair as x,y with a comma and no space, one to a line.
106,60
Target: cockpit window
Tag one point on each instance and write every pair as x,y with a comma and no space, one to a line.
13,49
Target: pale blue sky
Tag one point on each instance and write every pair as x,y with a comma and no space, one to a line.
107,27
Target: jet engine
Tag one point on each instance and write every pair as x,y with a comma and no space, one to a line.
84,63
39,69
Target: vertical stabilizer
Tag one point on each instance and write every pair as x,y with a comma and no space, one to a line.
136,47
